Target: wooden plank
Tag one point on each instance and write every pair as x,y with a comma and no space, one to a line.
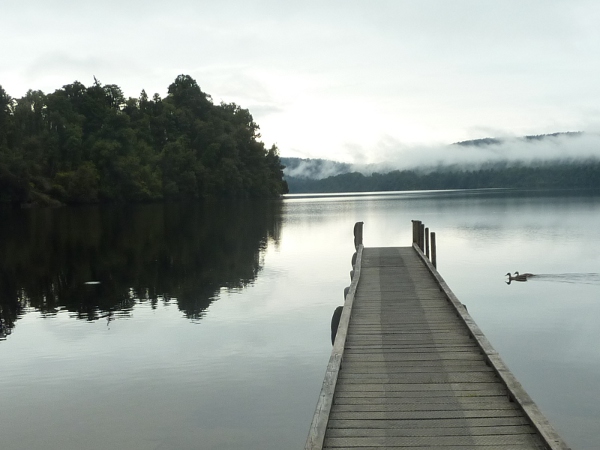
425,395
448,447
449,388
343,429
384,406
405,415
413,357
416,424
498,402
419,377
511,441
404,345
410,369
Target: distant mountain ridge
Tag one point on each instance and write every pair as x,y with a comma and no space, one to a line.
582,175
537,137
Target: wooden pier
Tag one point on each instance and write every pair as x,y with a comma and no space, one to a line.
410,368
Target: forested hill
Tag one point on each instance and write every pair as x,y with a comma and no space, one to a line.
90,144
583,174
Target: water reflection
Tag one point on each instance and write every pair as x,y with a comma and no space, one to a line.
97,262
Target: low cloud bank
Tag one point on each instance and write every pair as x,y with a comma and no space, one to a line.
315,169
529,151
468,155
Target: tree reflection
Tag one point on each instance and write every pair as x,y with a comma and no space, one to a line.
153,253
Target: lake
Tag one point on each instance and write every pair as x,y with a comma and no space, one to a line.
180,326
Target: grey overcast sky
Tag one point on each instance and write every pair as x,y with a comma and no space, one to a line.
348,80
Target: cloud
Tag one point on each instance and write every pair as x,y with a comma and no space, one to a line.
243,87
392,155
59,63
315,169
529,151
259,111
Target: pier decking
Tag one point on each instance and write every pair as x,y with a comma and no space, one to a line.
410,369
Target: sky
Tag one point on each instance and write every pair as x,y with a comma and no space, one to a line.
350,80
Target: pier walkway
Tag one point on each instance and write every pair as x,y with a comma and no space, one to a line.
410,369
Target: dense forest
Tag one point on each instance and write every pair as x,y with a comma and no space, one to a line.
569,175
90,144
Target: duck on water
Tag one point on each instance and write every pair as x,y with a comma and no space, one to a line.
518,277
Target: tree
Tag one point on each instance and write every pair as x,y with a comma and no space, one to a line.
6,104
81,185
186,94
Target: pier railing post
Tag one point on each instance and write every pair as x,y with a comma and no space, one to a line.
416,231
433,251
424,239
358,234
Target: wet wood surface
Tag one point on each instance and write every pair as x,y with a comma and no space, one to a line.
416,372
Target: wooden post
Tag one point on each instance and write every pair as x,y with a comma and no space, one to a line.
416,226
433,251
358,234
422,237
427,242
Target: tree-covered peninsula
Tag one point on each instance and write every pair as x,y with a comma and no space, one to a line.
90,144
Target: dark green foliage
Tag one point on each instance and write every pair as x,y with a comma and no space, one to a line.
88,144
571,175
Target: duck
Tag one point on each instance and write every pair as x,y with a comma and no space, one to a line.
518,277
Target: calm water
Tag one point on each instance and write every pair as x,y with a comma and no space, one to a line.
207,326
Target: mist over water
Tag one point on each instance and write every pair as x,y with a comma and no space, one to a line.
389,155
